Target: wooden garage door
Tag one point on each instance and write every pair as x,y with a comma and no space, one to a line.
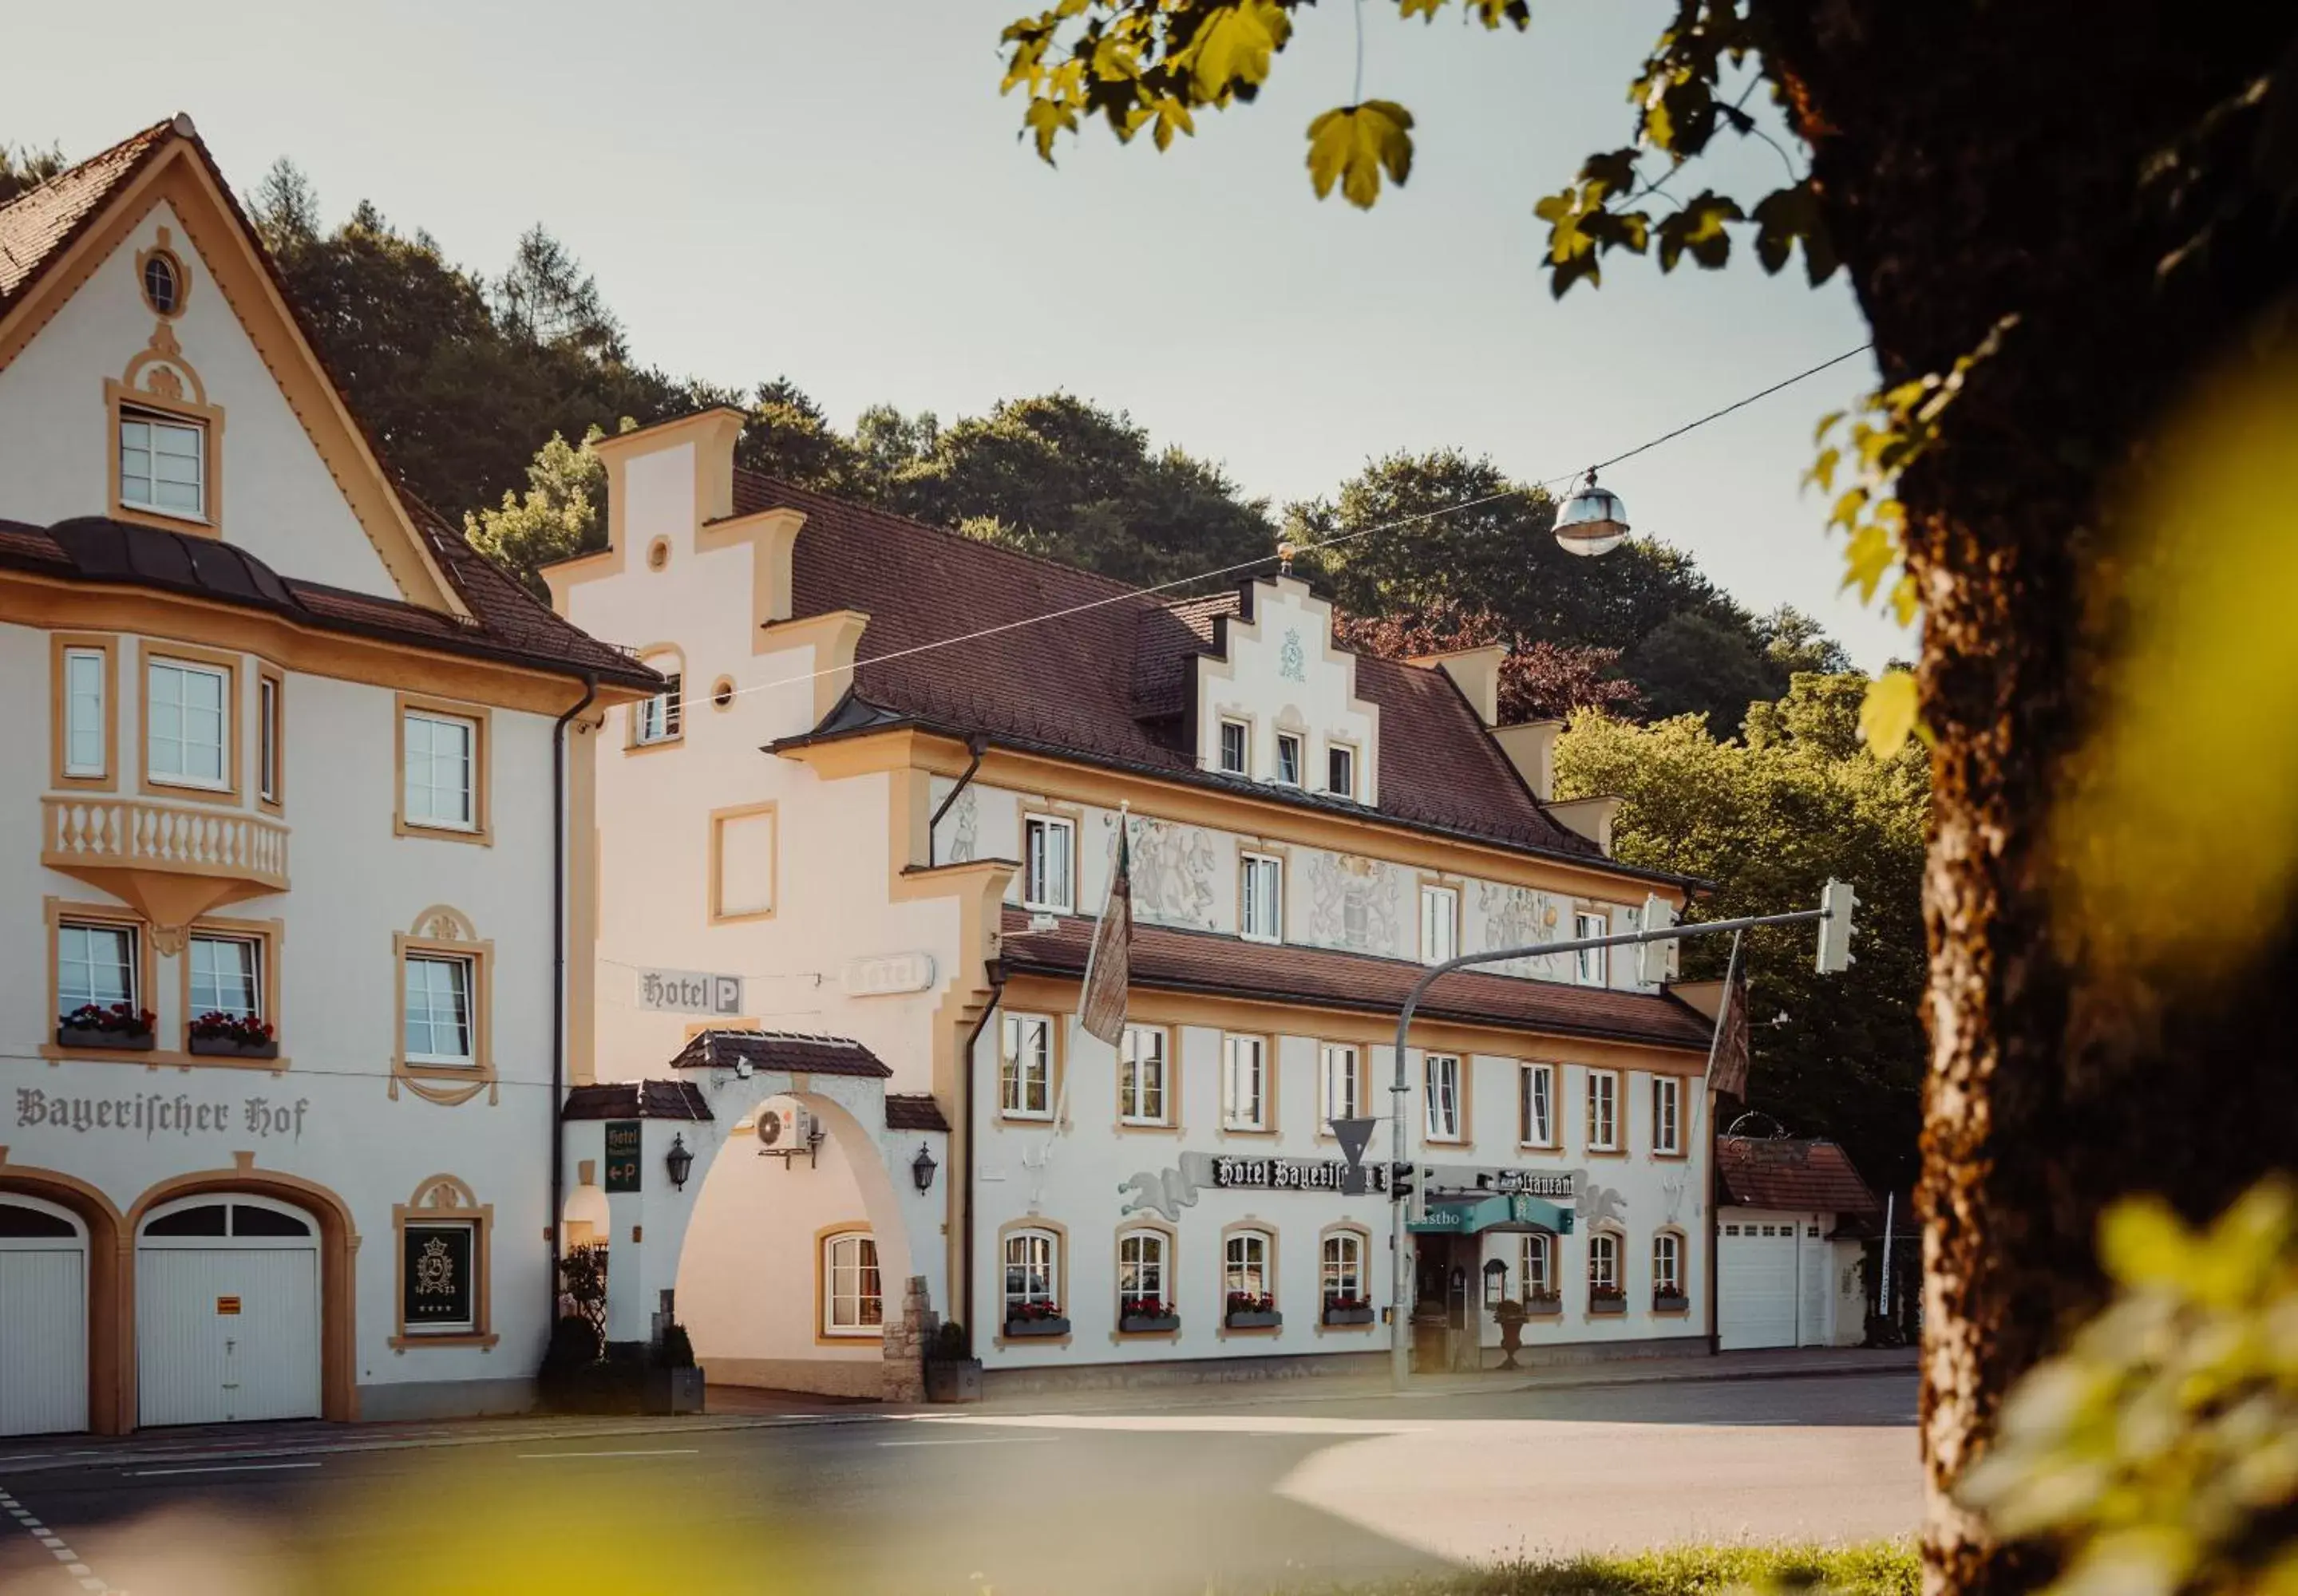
1755,1283
227,1312
43,1318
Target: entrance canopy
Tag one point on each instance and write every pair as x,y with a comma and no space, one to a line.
1472,1215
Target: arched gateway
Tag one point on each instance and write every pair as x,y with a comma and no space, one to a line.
805,1265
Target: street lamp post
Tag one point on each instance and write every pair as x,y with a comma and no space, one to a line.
1836,903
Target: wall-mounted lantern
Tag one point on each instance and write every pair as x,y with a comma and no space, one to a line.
922,1168
678,1162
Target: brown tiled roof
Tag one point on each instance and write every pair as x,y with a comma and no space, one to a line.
36,225
637,1099
508,623
1198,961
1103,681
1799,1176
907,1111
779,1050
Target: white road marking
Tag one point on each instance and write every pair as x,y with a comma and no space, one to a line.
657,1451
217,1468
978,1441
54,1543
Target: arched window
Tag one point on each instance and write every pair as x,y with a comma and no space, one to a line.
1032,1276
1605,1294
1667,1267
1143,1275
1343,1275
853,1297
1248,1272
1536,1272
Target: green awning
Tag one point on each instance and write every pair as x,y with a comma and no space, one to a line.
1472,1215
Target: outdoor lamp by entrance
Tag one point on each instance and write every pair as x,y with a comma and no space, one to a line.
1496,1281
1594,520
922,1167
678,1162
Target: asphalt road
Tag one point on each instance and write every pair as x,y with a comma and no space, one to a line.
1177,1496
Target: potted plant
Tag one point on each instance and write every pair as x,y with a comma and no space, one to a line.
1145,1315
232,1036
1247,1311
1340,1308
1670,1302
1511,1314
116,1026
1035,1319
1607,1299
673,1384
951,1376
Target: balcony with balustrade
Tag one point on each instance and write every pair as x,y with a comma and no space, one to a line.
173,862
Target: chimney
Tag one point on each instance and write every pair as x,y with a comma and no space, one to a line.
1530,748
1591,818
1477,672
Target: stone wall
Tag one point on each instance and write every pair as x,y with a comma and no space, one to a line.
909,1334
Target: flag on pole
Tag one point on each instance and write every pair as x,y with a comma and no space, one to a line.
1109,964
1728,1054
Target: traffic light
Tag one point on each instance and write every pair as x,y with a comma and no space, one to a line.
1835,902
1653,959
1400,1182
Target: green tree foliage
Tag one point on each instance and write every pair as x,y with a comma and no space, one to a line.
557,516
1770,820
1539,680
27,166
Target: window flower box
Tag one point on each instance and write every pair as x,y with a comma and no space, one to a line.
1607,1299
119,1028
1670,1302
1147,1316
1035,1319
1540,1304
232,1036
1246,1312
1348,1310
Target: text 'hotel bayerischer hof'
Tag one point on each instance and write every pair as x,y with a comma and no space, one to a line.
318,813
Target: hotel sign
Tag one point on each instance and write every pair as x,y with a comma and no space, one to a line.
689,992
1290,1174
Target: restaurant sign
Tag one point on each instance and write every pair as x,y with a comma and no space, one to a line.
1470,1216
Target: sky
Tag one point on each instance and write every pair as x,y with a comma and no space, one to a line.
835,191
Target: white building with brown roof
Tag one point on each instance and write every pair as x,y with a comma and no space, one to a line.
849,869
278,997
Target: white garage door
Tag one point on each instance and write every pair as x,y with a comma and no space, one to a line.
1755,1283
43,1318
227,1312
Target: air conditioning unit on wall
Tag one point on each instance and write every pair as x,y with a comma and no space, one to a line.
787,1130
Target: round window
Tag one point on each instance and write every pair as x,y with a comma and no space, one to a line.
721,694
163,283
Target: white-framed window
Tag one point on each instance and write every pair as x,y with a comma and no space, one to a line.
1603,1111
1143,1274
1536,1105
188,721
1342,1273
1339,1081
1141,1092
1033,1259
1594,963
1667,1108
1288,759
1536,1265
227,977
163,464
1603,1263
853,1295
1025,1067
442,766
1244,1082
439,1020
85,712
1440,924
1339,770
1049,868
1441,1072
1235,747
1261,898
1667,1264
661,718
1247,1280
267,738
95,964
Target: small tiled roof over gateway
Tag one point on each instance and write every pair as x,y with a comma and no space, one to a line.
1198,961
913,1111
791,1050
1800,1176
637,1099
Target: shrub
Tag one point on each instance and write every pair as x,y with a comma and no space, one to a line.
677,1349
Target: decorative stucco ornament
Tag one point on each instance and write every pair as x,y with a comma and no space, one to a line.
1291,663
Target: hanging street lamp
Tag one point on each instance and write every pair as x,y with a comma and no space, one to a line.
1594,520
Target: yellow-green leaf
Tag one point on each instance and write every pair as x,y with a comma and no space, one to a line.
1887,715
1234,44
1353,144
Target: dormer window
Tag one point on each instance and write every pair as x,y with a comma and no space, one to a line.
1235,744
659,717
1341,770
1288,759
162,465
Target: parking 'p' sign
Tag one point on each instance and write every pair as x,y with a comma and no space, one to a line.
623,1154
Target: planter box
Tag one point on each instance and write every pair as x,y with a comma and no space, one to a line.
1255,1321
1148,1324
672,1391
1350,1315
1607,1305
108,1041
218,1047
1543,1307
1017,1328
954,1380
1670,1302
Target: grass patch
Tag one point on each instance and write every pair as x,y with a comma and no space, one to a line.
1879,1568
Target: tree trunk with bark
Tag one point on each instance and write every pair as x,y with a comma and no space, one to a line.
1978,159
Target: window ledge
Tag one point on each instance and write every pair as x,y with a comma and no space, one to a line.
484,1340
162,1057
